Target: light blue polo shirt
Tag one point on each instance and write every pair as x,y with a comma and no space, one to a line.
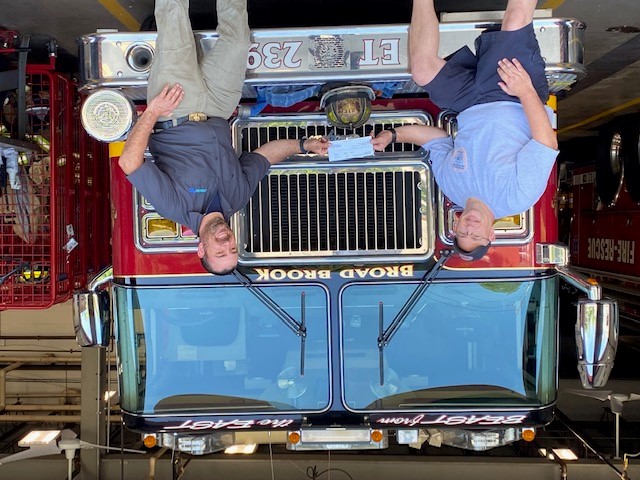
493,159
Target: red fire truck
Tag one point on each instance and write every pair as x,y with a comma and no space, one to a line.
53,180
604,194
348,324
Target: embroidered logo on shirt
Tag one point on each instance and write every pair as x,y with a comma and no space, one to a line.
197,190
459,160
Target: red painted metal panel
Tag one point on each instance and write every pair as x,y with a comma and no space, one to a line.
129,260
604,238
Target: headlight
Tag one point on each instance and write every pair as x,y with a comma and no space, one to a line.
107,115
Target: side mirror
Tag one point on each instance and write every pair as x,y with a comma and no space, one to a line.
596,340
92,318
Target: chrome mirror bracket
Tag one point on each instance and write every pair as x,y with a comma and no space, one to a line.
92,312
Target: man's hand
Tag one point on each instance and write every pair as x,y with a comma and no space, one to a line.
166,101
317,145
162,105
517,82
381,140
515,79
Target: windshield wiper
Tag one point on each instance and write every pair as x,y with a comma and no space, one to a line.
300,329
385,336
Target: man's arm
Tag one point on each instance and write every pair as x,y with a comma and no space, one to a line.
424,42
242,178
161,106
517,82
416,134
276,151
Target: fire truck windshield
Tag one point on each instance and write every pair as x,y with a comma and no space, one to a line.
215,350
462,345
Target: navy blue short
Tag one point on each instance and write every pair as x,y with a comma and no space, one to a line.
469,79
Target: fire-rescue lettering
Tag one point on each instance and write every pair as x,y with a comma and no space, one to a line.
394,271
611,250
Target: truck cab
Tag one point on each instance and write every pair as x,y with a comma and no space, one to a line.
349,322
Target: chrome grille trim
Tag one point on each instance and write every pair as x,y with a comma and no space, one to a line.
358,212
252,132
381,209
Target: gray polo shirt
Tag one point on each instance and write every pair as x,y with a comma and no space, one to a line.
192,162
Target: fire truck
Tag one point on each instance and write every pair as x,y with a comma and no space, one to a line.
602,196
53,180
348,323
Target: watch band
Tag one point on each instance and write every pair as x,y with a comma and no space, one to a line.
302,149
394,135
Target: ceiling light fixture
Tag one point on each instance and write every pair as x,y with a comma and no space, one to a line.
39,437
565,454
245,449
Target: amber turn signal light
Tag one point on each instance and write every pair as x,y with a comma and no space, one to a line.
149,441
294,438
528,434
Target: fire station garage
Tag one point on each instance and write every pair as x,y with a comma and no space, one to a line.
355,338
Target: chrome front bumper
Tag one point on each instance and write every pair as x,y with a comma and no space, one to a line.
308,56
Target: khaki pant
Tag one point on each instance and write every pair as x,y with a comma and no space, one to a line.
213,86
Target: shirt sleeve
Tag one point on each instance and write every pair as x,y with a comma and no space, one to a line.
253,168
534,163
156,186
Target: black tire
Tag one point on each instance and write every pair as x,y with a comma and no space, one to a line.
631,147
610,164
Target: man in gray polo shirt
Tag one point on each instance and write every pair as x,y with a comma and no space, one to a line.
195,177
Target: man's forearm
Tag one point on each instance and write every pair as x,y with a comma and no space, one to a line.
276,151
539,124
132,156
418,134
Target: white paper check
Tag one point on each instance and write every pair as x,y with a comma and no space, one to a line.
350,148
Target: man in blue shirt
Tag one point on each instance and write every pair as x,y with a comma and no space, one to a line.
195,177
505,148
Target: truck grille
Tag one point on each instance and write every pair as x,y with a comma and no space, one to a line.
320,212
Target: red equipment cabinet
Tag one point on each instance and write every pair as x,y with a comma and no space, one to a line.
63,191
605,213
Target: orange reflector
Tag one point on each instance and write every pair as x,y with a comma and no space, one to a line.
294,438
376,436
149,441
592,281
528,434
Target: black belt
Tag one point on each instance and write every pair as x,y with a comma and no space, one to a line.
174,122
